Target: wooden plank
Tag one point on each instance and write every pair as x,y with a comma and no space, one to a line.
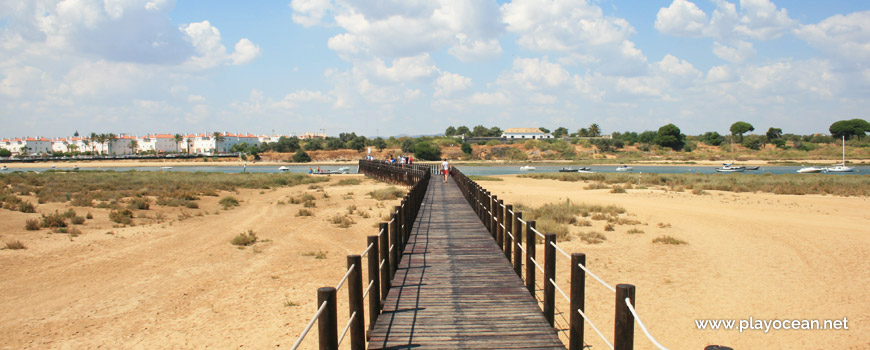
454,288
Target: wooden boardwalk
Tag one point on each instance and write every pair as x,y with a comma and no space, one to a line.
454,288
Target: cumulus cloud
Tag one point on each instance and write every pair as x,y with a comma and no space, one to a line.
449,83
681,18
310,12
842,36
486,98
206,39
762,20
738,53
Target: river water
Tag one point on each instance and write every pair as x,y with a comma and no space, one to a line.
468,170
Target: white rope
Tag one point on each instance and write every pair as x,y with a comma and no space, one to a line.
382,231
536,264
523,221
346,275
560,290
391,247
346,327
372,282
308,327
640,323
595,328
367,250
511,211
391,221
521,248
597,278
560,250
381,266
509,234
502,225
537,233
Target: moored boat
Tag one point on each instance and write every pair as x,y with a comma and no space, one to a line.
730,168
841,168
527,168
810,170
284,168
624,168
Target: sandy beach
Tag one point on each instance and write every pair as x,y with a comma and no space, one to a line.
179,284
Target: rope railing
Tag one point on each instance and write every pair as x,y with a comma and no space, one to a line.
382,261
642,326
506,226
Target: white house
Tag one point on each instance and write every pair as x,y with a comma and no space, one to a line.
28,145
160,143
525,133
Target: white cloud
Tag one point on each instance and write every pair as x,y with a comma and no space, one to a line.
310,12
449,83
762,20
534,74
475,50
844,36
20,80
402,69
484,98
678,70
103,79
681,18
245,52
719,74
737,54
195,99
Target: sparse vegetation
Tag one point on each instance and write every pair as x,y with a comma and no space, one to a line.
342,221
593,237
139,204
123,216
229,202
554,217
484,178
77,220
31,225
15,245
320,254
349,182
669,240
26,207
52,220
388,193
245,239
634,231
304,212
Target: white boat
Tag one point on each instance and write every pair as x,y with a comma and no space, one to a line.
810,170
841,168
527,168
344,170
166,167
730,168
284,168
624,168
585,171
4,168
75,167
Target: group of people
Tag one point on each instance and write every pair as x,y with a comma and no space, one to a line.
402,160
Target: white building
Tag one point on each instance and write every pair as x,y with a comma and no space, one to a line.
525,133
28,145
161,143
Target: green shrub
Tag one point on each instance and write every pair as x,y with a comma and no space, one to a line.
245,239
229,202
53,220
77,220
304,212
669,240
123,216
388,193
26,207
349,182
31,225
81,201
343,221
139,204
70,213
15,245
89,216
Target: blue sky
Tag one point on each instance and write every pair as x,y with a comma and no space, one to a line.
391,67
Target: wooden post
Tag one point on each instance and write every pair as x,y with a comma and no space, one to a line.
499,221
508,231
530,254
493,218
518,234
578,297
394,242
384,255
355,303
374,280
549,278
327,324
623,323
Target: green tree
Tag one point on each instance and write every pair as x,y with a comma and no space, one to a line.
379,143
647,136
301,157
740,128
314,145
462,130
466,148
583,132
712,138
560,132
773,134
544,129
333,143
189,142
358,143
495,131
133,145
218,138
849,128
285,145
408,145
480,131
450,131
670,136
594,130
5,153
752,142
178,138
427,151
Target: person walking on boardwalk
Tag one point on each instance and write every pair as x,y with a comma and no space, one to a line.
445,169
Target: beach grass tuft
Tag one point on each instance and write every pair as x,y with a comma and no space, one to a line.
669,240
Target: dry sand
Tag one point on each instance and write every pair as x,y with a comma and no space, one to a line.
179,284
748,255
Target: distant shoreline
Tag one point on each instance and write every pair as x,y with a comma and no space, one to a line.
177,163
